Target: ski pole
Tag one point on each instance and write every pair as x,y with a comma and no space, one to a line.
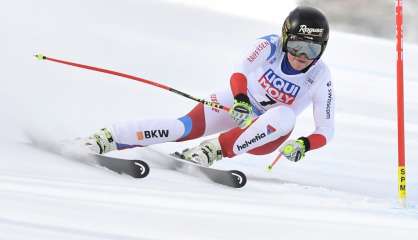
270,167
124,75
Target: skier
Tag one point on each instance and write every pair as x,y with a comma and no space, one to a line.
278,78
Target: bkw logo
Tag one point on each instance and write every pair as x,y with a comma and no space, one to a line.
152,134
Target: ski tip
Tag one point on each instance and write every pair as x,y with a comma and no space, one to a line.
141,169
40,56
239,178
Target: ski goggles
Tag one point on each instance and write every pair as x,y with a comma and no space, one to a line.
311,50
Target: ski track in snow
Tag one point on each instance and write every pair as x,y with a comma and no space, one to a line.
344,191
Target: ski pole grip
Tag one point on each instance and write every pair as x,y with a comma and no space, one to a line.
216,105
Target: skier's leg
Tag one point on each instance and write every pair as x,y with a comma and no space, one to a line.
201,121
135,133
265,135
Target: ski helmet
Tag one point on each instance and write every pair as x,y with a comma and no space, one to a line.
306,24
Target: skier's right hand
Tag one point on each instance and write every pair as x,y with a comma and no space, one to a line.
241,111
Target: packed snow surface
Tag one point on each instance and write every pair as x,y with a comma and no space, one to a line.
347,190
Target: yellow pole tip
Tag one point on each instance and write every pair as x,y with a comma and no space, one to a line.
40,56
269,167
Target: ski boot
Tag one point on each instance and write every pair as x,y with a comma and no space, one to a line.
205,154
100,142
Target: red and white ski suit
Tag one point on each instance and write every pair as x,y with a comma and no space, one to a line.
276,95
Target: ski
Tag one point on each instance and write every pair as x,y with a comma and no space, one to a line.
230,178
134,168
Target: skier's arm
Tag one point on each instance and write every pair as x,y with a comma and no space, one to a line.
323,110
260,52
241,111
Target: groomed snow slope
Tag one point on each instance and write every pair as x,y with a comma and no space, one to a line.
344,191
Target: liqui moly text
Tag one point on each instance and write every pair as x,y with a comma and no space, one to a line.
277,88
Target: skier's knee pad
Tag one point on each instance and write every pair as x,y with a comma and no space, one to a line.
283,120
283,117
263,136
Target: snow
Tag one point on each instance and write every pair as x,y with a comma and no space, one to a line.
265,10
346,190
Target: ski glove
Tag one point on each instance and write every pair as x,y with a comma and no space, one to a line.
294,150
241,111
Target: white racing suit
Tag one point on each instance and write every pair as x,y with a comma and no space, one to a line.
277,96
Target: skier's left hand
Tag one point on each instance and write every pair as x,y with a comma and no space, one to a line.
294,150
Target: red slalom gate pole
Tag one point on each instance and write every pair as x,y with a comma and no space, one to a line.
124,75
400,103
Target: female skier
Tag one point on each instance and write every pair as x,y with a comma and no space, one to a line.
278,78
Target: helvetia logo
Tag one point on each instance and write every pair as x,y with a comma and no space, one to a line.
253,140
152,134
258,137
270,129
